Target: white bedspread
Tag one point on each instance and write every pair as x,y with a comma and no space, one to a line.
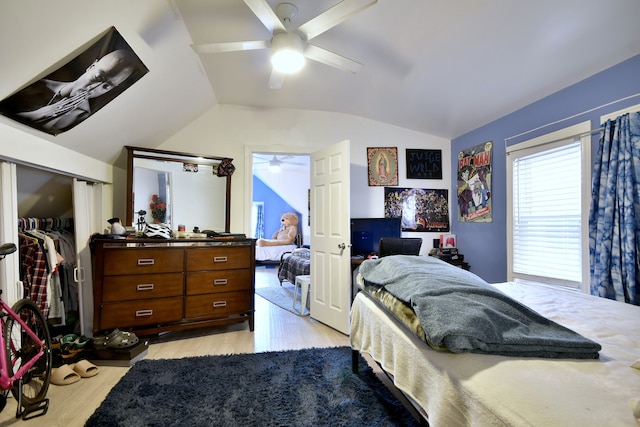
487,390
272,253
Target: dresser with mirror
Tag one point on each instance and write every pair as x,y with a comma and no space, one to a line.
198,280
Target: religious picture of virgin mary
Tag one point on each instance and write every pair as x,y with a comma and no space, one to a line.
382,164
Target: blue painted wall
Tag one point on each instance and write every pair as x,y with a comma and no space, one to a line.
484,245
274,207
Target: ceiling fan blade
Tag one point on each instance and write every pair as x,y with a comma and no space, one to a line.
329,58
231,46
266,15
332,17
276,80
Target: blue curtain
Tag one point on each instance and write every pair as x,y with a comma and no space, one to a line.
614,216
259,231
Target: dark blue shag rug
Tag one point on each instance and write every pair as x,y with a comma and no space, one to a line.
311,387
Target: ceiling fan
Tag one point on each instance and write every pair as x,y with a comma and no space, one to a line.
293,43
275,163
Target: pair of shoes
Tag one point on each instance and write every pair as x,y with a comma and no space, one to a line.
55,342
116,339
69,374
74,341
68,348
72,346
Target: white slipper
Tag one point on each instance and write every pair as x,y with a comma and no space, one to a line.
64,375
85,369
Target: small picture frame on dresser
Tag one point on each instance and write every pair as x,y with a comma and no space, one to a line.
448,241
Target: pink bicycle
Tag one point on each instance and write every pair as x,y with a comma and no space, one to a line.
25,365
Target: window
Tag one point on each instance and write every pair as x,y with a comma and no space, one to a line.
548,208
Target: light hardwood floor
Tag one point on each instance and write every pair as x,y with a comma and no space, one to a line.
275,329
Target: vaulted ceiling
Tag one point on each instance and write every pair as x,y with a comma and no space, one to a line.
443,67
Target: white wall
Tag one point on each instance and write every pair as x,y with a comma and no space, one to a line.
226,130
29,149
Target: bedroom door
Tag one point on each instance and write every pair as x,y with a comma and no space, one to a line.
330,237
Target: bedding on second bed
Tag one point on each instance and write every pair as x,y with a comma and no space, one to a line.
459,311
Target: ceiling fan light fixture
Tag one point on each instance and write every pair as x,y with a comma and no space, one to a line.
288,53
274,166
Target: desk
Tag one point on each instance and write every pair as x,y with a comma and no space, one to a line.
457,260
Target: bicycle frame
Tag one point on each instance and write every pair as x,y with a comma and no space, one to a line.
6,381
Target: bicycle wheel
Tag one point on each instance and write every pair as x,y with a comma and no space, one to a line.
22,348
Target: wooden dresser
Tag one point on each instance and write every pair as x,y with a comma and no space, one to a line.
150,286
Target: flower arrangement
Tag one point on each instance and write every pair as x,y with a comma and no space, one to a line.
158,208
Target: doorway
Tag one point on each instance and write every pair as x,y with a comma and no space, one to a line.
280,183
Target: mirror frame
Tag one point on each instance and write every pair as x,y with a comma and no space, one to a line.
173,156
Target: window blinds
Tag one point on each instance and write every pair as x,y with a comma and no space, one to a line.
547,215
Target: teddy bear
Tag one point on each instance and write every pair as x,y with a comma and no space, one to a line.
286,234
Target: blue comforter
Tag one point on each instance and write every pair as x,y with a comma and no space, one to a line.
463,313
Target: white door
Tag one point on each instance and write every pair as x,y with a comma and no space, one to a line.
330,237
87,212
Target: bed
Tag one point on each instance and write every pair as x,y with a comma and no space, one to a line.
487,389
271,255
297,263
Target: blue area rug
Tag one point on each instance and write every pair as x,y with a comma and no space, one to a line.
311,387
282,296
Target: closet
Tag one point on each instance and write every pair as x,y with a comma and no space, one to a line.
50,217
47,245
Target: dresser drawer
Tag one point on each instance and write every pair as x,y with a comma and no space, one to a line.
139,313
218,258
142,261
133,287
204,282
217,305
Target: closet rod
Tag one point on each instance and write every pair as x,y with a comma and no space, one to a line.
578,135
571,117
31,223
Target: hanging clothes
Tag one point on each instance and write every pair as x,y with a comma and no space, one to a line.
69,287
34,271
44,271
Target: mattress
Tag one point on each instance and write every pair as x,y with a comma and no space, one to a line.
272,253
480,389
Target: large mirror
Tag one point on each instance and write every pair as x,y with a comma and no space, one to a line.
178,189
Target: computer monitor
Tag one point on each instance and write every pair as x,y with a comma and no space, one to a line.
367,232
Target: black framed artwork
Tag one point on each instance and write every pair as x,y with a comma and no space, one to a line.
424,164
72,93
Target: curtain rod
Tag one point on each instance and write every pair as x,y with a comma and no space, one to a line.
571,117
578,136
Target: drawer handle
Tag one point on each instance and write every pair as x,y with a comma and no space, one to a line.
146,261
217,304
145,287
144,313
219,259
219,282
